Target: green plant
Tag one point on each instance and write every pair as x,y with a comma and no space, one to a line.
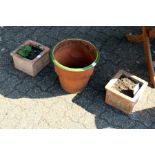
24,51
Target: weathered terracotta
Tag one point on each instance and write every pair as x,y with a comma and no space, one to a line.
120,100
73,82
74,61
31,67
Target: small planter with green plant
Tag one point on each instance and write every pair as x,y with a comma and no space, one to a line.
31,57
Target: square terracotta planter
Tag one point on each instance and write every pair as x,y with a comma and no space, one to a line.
119,100
31,67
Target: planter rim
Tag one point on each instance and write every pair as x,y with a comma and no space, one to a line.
93,64
27,42
115,78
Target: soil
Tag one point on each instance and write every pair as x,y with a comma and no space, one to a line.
35,52
127,86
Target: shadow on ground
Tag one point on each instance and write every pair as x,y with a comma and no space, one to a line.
108,117
116,53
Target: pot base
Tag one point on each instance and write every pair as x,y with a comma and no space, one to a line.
73,82
72,87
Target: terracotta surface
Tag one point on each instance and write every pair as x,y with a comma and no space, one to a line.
73,82
120,100
31,67
74,54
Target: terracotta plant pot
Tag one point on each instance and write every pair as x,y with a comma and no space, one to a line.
120,100
31,67
74,61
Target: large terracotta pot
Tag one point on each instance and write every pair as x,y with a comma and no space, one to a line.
74,61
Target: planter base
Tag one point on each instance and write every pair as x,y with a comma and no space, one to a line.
73,82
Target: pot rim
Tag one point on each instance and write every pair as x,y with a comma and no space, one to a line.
93,64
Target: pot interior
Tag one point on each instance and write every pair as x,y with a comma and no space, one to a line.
75,53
